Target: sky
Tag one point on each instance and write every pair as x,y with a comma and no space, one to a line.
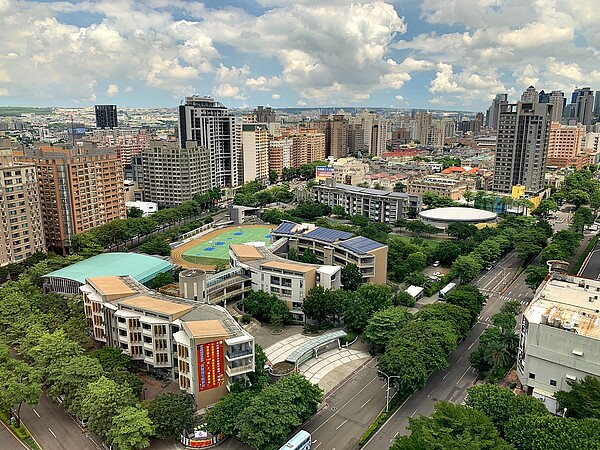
436,54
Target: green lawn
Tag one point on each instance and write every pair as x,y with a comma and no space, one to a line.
215,250
431,241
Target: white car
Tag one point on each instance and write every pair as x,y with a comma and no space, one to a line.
435,264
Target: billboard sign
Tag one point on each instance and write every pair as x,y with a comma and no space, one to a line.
323,173
211,365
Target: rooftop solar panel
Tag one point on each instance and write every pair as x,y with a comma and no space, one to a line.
360,244
328,235
285,227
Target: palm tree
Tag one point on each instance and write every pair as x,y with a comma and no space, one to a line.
497,355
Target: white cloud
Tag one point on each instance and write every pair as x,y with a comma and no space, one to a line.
228,90
112,90
275,96
301,103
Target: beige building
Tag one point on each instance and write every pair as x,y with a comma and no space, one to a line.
289,281
335,129
20,215
337,248
80,188
560,336
199,345
309,146
173,174
255,152
565,141
349,171
280,154
442,186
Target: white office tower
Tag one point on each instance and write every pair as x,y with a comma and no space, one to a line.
530,95
212,126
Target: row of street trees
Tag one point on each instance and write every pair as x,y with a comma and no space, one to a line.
253,193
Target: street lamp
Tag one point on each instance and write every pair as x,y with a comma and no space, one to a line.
387,391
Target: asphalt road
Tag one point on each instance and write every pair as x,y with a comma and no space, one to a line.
451,384
8,441
54,429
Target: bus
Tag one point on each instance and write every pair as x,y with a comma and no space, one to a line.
300,441
449,287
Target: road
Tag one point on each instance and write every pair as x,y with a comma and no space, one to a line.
451,384
7,440
54,429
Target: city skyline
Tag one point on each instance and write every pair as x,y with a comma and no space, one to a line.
401,54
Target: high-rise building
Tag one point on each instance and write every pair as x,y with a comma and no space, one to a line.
564,144
584,105
106,116
356,138
264,114
20,214
127,142
255,152
280,154
596,110
212,126
557,100
422,126
335,129
530,95
173,174
379,137
522,147
309,146
80,188
493,113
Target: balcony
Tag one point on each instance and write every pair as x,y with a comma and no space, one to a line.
232,371
231,355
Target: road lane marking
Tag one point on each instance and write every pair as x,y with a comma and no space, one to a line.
414,412
365,404
52,433
36,413
463,375
345,404
459,360
472,344
431,393
445,376
317,446
341,424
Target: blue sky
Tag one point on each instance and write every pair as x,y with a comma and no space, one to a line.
438,54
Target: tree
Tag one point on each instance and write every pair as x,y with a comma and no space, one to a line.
461,230
20,383
51,351
583,400
446,253
72,377
223,417
469,196
351,277
536,432
260,377
403,298
131,429
384,324
221,267
433,200
101,401
317,304
134,212
417,261
535,276
399,187
578,197
273,176
468,297
451,427
501,404
171,414
293,254
162,279
457,316
86,245
338,210
156,245
544,208
529,243
309,257
466,268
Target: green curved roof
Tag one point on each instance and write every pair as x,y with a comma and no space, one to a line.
139,266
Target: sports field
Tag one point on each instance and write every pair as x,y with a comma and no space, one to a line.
213,248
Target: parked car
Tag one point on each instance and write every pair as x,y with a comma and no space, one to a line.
435,264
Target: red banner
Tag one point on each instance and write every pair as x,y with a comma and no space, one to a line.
211,365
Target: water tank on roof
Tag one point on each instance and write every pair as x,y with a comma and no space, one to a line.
192,285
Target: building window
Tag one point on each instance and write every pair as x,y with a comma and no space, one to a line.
552,382
532,375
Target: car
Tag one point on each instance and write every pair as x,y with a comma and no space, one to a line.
437,274
435,264
60,399
489,267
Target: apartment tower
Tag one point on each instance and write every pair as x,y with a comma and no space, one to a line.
522,147
212,126
20,215
255,152
106,116
80,188
173,174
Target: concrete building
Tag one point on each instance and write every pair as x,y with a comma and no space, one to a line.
530,95
522,147
147,208
127,142
280,154
106,116
350,171
377,205
213,127
80,188
264,114
557,100
173,174
564,144
336,248
335,129
255,152
499,104
442,217
583,100
20,214
559,337
309,146
199,345
442,186
422,127
291,281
